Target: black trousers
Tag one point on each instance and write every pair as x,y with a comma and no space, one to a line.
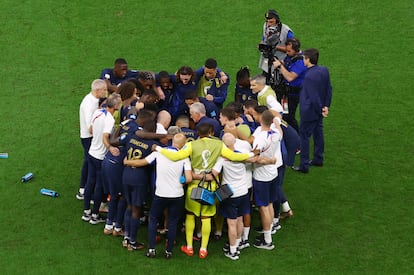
290,118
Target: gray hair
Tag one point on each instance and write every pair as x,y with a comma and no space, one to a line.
113,100
259,79
198,107
172,130
98,84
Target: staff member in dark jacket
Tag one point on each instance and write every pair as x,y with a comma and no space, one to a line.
315,100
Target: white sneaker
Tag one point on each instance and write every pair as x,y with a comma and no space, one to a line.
79,196
244,244
261,243
276,227
233,256
96,218
86,215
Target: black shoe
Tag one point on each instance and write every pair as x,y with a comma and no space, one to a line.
135,246
258,229
313,163
275,227
226,249
244,244
168,255
261,243
96,218
217,237
231,256
298,169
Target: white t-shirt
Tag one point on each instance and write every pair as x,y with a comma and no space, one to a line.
245,147
102,122
268,142
167,183
160,129
88,105
234,174
279,158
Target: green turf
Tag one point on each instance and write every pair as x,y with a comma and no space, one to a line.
354,215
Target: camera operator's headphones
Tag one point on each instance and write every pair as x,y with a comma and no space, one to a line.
272,14
295,44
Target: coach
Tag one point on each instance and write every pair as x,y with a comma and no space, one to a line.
315,99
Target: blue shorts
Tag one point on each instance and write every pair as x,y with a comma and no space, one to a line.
232,208
264,192
135,195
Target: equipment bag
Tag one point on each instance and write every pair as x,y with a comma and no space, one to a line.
202,194
224,191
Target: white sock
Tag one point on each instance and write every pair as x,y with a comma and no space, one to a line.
285,206
275,220
238,242
233,249
82,190
87,211
245,235
268,236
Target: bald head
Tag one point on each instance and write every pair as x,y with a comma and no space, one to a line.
164,118
179,140
229,140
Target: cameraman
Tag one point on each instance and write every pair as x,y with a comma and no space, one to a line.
275,34
293,71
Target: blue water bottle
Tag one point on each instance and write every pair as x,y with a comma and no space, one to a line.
4,155
182,178
27,177
48,192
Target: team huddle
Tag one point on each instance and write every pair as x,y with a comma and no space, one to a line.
151,140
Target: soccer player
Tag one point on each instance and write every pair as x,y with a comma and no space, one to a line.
112,169
242,91
212,83
169,192
128,92
175,86
137,181
203,153
183,121
118,74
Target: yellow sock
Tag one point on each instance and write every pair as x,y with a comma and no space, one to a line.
205,232
189,229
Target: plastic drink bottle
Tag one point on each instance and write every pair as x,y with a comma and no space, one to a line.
27,177
48,192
